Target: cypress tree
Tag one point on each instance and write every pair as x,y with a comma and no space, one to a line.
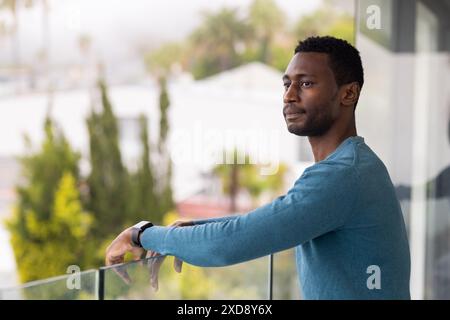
108,179
145,200
166,202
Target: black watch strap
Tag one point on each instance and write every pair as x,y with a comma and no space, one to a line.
136,231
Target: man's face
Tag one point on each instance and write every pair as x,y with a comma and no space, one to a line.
310,99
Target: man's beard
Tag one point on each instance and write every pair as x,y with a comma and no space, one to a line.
314,125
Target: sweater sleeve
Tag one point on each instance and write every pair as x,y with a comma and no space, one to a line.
319,202
220,219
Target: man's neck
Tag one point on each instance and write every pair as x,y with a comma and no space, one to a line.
324,145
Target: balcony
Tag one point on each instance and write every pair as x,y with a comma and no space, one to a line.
266,278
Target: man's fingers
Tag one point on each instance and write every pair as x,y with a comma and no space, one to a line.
121,271
115,257
115,253
155,262
151,260
177,264
156,265
153,267
138,254
150,256
154,254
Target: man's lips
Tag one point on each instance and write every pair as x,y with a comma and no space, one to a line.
293,115
291,109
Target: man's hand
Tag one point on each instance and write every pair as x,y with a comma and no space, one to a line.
157,260
116,251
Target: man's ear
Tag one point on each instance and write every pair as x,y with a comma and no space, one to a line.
350,94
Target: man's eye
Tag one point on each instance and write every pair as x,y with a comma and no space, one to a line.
286,84
306,84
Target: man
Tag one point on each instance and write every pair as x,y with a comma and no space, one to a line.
342,215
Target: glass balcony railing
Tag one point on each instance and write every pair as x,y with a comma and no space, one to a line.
81,286
250,280
241,281
285,284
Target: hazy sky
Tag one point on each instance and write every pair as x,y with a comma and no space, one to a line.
119,28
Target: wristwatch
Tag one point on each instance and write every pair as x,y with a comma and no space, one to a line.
136,231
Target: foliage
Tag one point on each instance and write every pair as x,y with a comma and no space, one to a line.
108,179
246,177
266,20
49,225
216,41
162,61
143,196
325,21
229,38
165,194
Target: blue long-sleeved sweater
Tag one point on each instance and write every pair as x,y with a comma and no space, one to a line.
342,216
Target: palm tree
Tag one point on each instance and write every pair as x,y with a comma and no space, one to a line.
266,19
12,7
237,177
215,41
84,45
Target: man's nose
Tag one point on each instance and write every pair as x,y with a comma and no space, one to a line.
291,94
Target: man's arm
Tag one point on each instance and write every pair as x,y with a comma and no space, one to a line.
319,202
211,220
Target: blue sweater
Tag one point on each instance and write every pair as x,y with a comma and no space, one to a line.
342,216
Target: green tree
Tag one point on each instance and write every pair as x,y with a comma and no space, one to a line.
266,19
161,61
108,182
164,104
215,44
166,202
226,39
43,170
166,197
281,55
143,181
326,21
230,177
237,177
49,226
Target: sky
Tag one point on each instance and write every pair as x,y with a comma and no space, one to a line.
119,30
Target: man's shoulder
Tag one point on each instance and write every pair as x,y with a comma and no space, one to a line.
342,165
332,169
352,159
345,159
352,156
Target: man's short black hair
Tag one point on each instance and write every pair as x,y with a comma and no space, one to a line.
345,61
